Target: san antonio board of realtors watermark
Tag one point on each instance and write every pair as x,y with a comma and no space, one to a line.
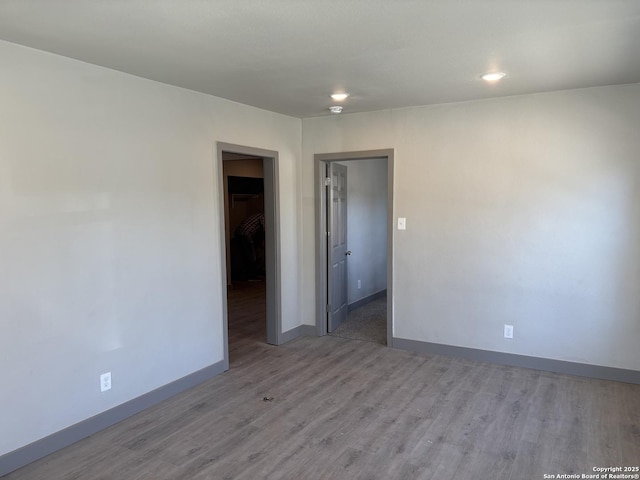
600,473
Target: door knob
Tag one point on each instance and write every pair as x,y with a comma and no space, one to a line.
348,252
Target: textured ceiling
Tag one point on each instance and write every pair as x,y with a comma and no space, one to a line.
287,56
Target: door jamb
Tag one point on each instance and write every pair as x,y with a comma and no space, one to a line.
272,240
321,160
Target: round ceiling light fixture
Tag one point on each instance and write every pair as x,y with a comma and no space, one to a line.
338,97
493,76
335,109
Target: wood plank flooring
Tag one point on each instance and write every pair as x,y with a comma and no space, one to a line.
347,409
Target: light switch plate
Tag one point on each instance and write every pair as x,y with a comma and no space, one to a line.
402,223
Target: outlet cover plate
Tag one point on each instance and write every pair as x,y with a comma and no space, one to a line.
508,331
105,382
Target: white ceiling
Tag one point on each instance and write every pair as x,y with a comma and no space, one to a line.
289,55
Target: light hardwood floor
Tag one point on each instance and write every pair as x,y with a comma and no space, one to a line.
347,409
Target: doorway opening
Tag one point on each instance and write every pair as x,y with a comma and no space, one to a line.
354,247
249,216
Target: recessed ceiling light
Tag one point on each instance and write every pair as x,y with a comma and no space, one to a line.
338,97
336,109
493,76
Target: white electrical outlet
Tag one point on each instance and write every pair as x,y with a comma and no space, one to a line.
105,382
359,284
508,331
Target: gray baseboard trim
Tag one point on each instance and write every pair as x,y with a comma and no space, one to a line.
299,331
546,364
57,441
363,301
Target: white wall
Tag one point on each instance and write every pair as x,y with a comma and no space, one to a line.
522,210
109,235
366,227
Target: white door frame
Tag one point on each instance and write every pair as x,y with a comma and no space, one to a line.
272,240
321,159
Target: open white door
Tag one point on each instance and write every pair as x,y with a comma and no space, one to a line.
337,246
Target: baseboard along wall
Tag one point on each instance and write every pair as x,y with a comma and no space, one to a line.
70,435
514,360
299,331
56,441
363,301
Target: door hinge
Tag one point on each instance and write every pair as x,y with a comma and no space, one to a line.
328,308
327,181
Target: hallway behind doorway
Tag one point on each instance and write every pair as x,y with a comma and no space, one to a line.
367,323
246,304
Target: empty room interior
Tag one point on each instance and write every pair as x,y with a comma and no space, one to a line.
319,239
